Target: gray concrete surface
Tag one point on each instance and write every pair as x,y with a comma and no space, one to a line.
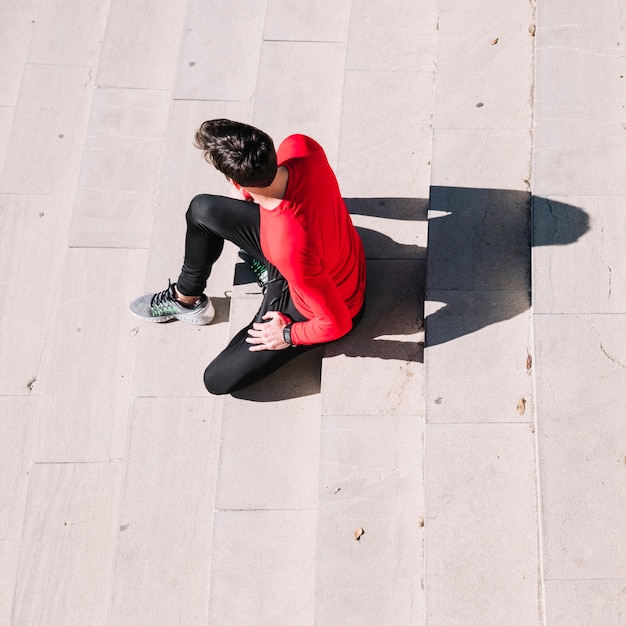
481,151
579,321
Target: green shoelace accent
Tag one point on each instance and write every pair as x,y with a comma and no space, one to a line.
164,308
164,303
259,269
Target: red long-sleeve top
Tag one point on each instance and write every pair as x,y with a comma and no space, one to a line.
310,238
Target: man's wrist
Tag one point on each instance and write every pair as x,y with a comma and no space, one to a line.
287,334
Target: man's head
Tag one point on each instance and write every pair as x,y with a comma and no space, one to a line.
244,154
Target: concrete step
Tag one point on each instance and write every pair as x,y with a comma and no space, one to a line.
481,523
579,310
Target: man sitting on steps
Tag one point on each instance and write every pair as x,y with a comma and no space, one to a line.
291,219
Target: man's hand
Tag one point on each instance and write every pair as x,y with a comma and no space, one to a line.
268,335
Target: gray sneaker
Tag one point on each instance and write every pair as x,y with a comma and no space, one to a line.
163,306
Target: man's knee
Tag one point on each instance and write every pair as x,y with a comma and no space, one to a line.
215,381
201,210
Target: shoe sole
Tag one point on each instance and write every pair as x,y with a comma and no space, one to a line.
197,319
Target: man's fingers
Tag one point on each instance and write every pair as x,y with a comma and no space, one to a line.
266,335
256,344
256,337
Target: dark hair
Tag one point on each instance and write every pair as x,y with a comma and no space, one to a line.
241,152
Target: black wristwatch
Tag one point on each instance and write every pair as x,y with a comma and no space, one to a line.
287,334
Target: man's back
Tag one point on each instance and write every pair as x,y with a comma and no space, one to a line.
310,238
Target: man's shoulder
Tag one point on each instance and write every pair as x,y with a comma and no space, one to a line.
297,147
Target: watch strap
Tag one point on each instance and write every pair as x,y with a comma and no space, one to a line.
287,334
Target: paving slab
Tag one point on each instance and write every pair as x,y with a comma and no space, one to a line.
376,369
371,465
586,602
581,361
477,364
216,34
579,307
67,544
397,36
370,479
263,567
484,66
478,238
28,225
391,228
269,454
582,233
17,23
6,121
162,561
9,555
481,525
17,434
580,96
141,44
48,132
477,305
90,363
119,178
375,580
303,94
467,157
367,164
65,31
288,21
155,373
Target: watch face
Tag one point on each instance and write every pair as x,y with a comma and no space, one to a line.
287,334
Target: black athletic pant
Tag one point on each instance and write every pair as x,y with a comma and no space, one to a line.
211,220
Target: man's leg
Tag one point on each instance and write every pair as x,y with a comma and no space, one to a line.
211,220
236,366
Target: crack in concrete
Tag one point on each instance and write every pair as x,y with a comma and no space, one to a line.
617,55
609,268
608,356
557,26
604,350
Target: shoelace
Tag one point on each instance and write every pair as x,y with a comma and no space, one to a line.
167,295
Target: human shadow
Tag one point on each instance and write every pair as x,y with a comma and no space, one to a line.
479,255
478,274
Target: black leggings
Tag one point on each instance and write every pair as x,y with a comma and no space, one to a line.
211,220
